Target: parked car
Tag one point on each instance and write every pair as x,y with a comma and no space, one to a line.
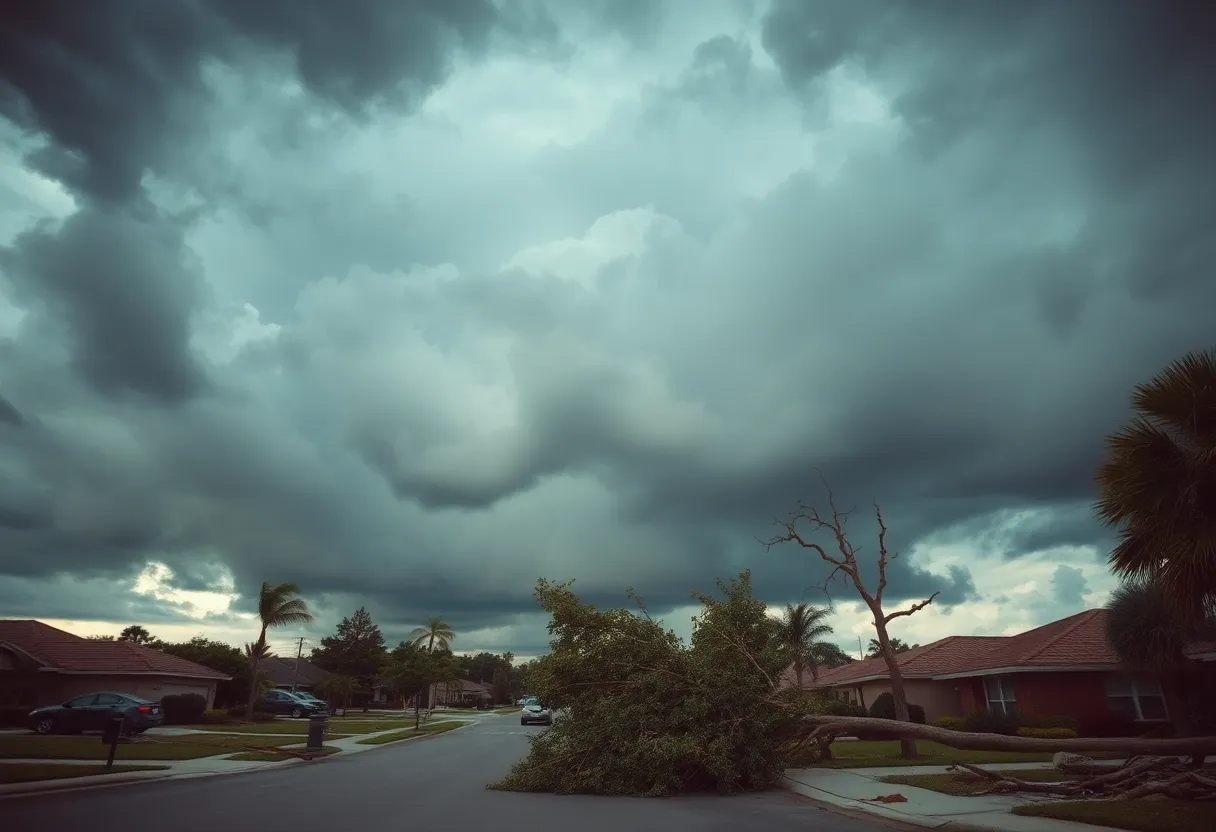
92,711
286,703
535,712
308,697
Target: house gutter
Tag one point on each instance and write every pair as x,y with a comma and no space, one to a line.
134,673
1004,671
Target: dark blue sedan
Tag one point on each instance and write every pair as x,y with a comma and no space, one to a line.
93,711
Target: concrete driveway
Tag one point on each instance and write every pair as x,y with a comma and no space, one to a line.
433,783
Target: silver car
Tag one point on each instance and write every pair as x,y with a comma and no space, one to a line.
534,713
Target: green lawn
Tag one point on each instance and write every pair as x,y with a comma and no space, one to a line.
1139,815
294,728
268,757
431,728
880,753
964,783
34,772
188,747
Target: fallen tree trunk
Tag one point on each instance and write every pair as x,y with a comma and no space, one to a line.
1139,777
834,726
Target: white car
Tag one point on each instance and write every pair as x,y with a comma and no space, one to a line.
535,713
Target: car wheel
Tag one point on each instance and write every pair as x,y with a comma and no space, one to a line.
523,722
44,725
296,713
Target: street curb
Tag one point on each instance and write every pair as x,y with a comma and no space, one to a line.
90,781
109,781
374,747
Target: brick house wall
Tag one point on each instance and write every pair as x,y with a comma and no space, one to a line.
1076,695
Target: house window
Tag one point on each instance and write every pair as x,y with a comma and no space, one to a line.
1136,696
1000,695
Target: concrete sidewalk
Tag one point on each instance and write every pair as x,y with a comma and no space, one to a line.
856,788
197,767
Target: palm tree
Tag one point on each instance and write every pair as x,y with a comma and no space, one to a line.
1149,631
279,605
1158,484
800,634
436,634
898,645
254,655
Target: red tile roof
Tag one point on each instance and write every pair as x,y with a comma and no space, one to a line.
1076,641
949,655
60,650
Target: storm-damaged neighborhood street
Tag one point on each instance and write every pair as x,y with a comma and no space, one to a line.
652,414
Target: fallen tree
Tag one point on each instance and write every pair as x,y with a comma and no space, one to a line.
1138,778
829,727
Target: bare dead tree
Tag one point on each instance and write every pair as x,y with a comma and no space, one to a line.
805,523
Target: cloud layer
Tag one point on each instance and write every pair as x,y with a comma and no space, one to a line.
414,303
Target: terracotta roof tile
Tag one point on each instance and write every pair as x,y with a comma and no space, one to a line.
1076,641
948,655
62,650
282,671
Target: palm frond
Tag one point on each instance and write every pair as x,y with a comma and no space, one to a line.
1183,397
1145,626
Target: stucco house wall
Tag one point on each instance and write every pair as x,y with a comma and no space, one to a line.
60,687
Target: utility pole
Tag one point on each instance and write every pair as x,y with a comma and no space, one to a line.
300,652
861,654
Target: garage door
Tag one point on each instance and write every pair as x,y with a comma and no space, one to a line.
156,690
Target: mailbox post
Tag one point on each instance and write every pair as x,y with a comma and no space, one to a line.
110,736
316,732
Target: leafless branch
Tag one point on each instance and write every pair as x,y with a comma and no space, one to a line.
882,554
917,607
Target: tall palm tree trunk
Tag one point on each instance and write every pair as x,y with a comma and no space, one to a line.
254,659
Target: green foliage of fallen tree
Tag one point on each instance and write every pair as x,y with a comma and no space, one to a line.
643,714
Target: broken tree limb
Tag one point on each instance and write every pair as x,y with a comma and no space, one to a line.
1178,746
1139,777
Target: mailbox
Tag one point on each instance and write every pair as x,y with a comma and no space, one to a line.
112,731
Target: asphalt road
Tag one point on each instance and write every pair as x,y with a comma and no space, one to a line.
432,784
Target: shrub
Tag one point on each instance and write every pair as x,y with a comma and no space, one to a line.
952,723
216,717
839,707
183,708
884,708
1048,733
1049,722
237,712
985,722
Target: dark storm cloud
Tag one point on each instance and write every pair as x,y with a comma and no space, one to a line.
124,289
112,82
900,326
10,414
116,87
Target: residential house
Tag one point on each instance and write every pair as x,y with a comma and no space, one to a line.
291,673
461,693
43,665
1065,668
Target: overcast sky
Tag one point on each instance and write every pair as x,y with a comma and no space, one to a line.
412,303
